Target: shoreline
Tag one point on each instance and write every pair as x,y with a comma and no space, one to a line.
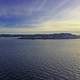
56,36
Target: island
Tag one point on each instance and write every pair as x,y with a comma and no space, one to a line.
43,36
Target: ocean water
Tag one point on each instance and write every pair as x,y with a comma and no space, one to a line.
39,59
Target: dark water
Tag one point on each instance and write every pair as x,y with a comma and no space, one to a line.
39,59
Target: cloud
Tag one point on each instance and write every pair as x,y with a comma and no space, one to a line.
71,12
45,27
60,26
40,16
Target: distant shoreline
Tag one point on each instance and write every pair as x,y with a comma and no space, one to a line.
43,36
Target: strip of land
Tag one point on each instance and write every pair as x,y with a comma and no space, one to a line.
43,36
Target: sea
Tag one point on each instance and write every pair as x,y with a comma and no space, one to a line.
22,59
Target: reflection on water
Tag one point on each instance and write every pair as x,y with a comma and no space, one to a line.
39,59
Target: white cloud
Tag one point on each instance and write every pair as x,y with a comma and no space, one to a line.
71,12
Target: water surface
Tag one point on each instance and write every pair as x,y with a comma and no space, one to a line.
39,59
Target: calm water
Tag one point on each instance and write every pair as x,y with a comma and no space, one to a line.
39,59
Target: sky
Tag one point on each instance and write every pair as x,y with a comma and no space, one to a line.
39,16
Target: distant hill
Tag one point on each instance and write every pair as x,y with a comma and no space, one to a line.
43,36
51,36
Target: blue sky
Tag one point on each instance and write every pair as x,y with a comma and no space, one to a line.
39,16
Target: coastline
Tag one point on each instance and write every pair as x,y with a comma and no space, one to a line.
55,36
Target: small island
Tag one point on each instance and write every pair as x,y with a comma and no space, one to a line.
43,36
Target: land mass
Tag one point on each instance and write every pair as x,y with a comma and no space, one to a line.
43,36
